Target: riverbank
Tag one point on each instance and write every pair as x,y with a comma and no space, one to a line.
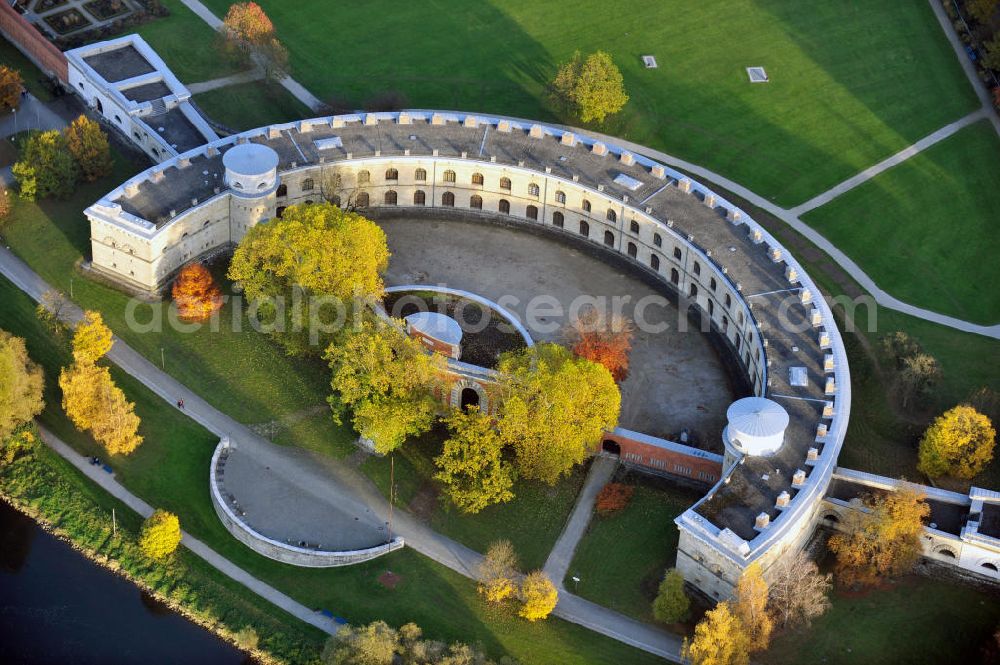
67,505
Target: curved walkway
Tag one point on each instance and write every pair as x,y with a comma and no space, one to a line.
334,483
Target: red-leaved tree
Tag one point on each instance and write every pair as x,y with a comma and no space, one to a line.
606,340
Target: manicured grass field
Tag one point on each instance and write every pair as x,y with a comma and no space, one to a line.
925,230
532,521
169,470
622,557
250,105
851,83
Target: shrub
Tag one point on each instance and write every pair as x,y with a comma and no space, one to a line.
613,497
246,638
671,604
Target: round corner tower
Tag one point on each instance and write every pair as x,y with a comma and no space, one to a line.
252,177
756,428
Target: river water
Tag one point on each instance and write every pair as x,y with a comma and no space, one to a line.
57,607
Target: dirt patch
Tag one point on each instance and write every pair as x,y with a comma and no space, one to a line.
389,579
424,502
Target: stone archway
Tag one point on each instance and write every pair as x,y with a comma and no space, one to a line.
461,397
468,398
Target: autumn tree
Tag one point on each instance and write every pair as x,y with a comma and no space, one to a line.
719,639
160,534
92,339
602,339
195,293
21,442
554,408
798,592
380,644
51,311
10,88
21,385
471,464
318,255
5,204
249,33
750,607
991,57
45,166
959,443
916,371
88,144
497,572
386,379
591,88
671,603
883,540
538,596
982,10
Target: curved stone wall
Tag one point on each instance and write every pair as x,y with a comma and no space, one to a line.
275,549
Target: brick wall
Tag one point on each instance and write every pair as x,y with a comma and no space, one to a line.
673,460
31,42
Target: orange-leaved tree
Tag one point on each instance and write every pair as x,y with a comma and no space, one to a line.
195,293
89,146
606,340
248,31
10,88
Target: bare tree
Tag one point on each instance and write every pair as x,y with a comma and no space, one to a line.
798,591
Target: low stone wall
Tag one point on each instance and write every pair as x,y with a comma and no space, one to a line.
274,549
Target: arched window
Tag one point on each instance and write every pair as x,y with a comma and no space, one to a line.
658,240
505,183
633,251
739,319
533,189
711,307
560,197
531,212
677,253
504,206
557,219
612,216
697,268
282,190
633,226
712,284
420,174
725,324
729,301
390,197
477,179
693,292
363,200
990,566
609,238
419,198
654,262
279,212
449,176
391,174
476,202
586,205
584,229
675,276
448,199
364,177
308,184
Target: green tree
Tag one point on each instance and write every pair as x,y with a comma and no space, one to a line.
959,443
318,255
992,56
88,144
386,379
45,167
21,385
471,464
554,408
671,604
592,89
883,540
719,639
21,442
160,535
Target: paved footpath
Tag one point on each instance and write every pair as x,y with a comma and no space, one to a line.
601,470
339,486
248,76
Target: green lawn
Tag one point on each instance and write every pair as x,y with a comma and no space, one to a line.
249,105
925,230
33,78
532,521
169,469
916,620
851,83
622,557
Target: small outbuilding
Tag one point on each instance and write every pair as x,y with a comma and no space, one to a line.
438,332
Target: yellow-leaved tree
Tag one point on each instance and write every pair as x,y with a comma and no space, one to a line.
750,607
160,534
89,146
21,385
960,443
538,596
591,88
91,338
719,639
884,541
554,408
471,464
497,572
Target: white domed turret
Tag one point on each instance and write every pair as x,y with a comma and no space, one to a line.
438,332
756,427
251,169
